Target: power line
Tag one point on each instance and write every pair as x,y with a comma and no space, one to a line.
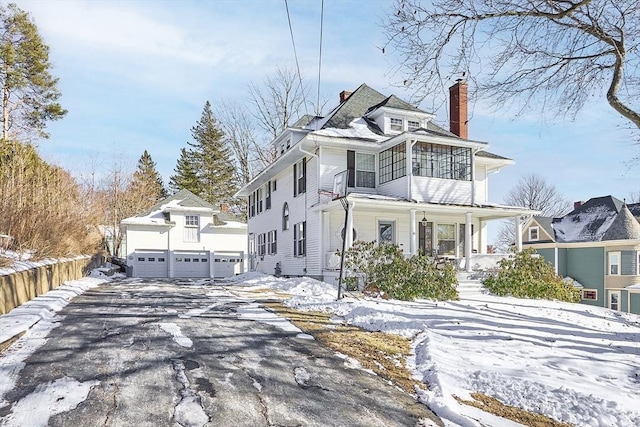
295,54
317,112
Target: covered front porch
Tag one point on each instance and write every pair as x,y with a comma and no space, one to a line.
455,232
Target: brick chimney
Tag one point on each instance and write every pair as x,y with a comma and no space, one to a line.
577,204
458,109
224,208
344,95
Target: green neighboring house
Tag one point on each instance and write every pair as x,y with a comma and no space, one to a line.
598,246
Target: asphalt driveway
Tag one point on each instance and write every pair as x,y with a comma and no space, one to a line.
161,353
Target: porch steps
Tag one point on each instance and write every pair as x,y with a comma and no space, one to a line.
470,286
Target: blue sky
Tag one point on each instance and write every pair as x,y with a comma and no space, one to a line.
135,75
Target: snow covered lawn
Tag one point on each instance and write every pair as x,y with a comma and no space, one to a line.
572,362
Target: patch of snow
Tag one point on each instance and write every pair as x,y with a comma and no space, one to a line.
573,228
575,363
253,311
61,395
358,128
196,312
175,331
189,411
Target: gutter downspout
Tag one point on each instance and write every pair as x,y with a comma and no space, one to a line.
306,209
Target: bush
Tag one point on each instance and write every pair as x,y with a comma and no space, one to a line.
385,268
529,276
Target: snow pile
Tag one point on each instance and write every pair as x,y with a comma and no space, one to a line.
358,128
575,363
22,318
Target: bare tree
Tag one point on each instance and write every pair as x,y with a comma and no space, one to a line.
551,55
240,130
280,100
532,192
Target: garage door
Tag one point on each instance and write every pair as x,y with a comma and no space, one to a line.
226,265
191,264
150,264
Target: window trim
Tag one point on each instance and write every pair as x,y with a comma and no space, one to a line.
453,239
193,224
267,198
396,124
390,222
300,177
594,291
619,303
272,242
413,125
537,232
285,216
300,239
611,254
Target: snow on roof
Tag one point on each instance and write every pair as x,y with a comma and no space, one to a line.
571,281
635,286
586,226
358,128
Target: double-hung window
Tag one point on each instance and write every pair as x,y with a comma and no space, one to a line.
272,244
299,239
534,234
267,199
191,228
413,125
614,264
395,124
261,244
285,216
259,200
299,177
446,235
362,169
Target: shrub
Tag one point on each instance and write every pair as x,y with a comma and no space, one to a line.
385,268
529,276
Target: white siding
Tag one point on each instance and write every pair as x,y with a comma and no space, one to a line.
436,190
481,184
333,162
394,188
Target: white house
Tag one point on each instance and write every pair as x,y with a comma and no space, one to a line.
184,236
410,182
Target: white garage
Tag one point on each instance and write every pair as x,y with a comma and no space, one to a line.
191,264
227,265
150,264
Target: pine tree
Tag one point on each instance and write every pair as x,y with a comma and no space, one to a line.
213,160
146,187
29,91
186,177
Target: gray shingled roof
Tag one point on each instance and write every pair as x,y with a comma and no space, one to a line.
354,107
545,223
591,221
187,199
624,226
394,102
489,155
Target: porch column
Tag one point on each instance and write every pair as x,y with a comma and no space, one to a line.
413,242
348,232
468,242
518,233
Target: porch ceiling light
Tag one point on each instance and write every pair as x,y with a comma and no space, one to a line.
423,221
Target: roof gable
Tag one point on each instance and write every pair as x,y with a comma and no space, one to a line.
353,107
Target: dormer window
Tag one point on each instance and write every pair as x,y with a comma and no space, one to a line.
395,124
534,234
412,125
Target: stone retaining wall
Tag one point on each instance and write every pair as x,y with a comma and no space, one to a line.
23,286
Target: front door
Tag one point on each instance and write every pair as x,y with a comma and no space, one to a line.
614,300
252,252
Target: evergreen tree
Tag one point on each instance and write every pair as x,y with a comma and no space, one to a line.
186,176
213,160
146,186
29,91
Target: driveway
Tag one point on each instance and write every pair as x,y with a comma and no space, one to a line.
164,353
